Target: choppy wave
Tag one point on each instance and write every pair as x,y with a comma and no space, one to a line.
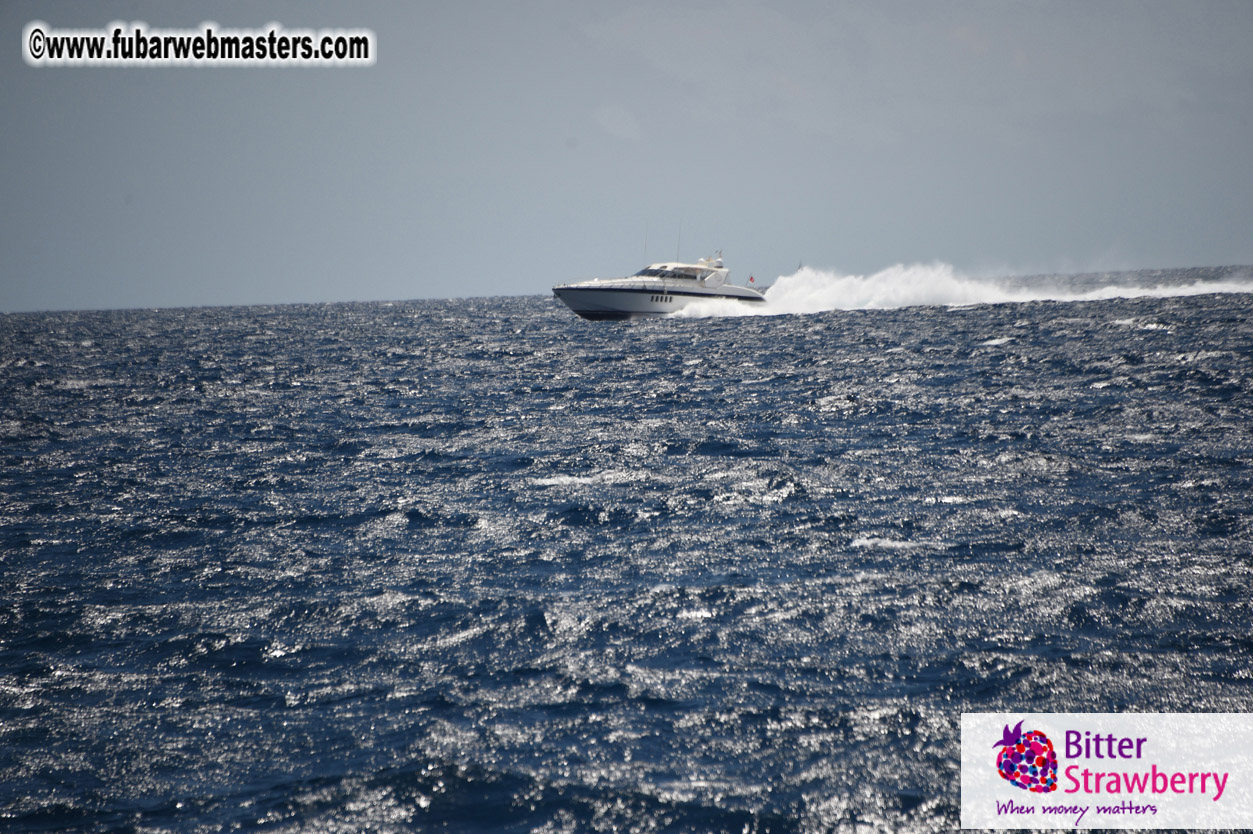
811,290
484,566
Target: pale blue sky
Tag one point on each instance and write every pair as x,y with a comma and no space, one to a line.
498,148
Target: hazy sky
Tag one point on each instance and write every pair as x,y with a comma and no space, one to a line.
497,148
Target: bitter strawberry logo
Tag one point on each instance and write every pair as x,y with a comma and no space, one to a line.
1027,760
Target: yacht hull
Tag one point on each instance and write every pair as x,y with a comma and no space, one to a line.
617,304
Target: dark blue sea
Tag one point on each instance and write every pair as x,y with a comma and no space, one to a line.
483,566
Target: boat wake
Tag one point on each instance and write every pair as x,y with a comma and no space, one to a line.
812,290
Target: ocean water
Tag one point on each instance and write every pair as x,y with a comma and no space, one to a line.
480,565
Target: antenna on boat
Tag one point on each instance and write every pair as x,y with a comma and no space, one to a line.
678,241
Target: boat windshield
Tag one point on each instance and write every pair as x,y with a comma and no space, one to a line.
654,272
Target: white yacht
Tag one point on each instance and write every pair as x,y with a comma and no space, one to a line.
655,291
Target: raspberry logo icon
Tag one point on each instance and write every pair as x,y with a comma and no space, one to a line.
1027,760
